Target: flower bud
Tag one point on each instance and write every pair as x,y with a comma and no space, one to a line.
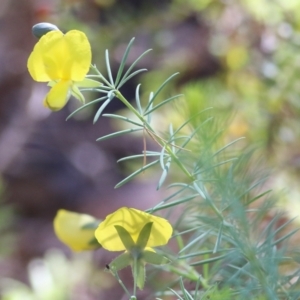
40,29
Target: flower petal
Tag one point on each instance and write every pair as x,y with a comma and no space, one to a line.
58,96
46,61
60,56
75,230
79,60
133,221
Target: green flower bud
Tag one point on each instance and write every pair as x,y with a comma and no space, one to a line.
40,29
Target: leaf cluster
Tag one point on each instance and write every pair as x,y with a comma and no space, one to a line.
231,241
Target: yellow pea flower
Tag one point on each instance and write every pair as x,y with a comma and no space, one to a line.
76,230
133,221
63,60
136,232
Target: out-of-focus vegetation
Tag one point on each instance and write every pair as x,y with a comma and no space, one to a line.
239,57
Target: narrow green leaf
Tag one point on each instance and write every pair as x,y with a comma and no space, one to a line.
131,67
285,237
157,206
284,225
100,110
137,99
240,270
118,133
130,177
176,294
159,90
188,121
271,234
150,110
125,119
185,293
130,76
161,158
108,68
99,75
123,61
180,184
205,252
171,140
259,182
216,165
227,145
164,174
187,231
200,190
174,203
195,132
149,116
257,197
219,238
194,241
209,260
86,105
138,156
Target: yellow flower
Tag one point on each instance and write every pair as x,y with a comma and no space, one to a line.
76,230
136,232
63,60
133,221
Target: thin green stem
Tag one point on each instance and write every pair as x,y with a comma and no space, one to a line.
134,275
160,140
189,273
121,283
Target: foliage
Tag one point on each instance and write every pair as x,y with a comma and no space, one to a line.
222,245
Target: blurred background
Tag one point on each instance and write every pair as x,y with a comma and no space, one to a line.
240,57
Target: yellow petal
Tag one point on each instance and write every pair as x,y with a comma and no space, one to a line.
133,221
46,61
69,228
60,56
80,56
58,96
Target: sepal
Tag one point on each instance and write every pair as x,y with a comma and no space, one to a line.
154,258
144,235
125,237
77,94
140,275
120,262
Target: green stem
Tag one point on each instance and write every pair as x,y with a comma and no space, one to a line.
147,125
119,95
134,275
189,273
121,283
